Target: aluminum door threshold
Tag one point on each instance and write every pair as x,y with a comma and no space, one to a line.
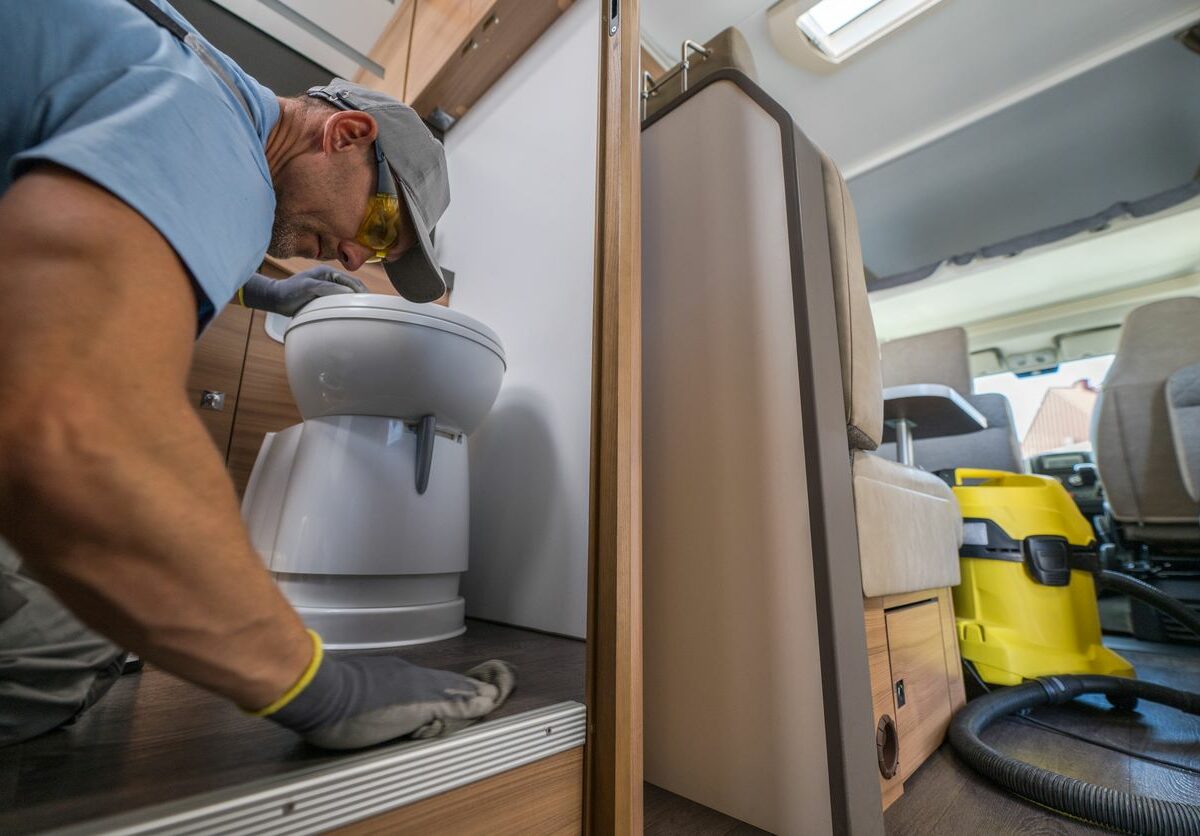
362,785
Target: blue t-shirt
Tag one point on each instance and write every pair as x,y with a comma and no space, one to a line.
96,86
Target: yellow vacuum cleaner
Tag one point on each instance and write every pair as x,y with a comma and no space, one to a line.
1026,606
1028,618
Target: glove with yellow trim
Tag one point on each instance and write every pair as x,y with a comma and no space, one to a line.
354,701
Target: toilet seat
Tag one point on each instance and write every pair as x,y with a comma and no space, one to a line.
396,309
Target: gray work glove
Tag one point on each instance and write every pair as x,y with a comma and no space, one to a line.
356,701
288,296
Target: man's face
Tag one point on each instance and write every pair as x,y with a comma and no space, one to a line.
321,196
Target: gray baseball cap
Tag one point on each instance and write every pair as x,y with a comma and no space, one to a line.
418,162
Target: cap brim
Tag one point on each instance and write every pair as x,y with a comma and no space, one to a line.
416,275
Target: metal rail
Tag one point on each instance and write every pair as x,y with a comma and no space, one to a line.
321,798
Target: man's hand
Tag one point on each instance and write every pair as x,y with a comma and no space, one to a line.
356,701
288,296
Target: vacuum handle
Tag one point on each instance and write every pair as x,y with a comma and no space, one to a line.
963,473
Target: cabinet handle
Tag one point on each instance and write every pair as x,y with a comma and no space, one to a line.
212,400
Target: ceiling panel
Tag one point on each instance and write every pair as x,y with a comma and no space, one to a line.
947,66
1124,131
1131,253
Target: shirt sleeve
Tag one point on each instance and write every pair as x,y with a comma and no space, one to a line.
174,151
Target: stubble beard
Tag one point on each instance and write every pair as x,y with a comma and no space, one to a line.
285,234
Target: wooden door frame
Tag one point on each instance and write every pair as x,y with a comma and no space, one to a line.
613,768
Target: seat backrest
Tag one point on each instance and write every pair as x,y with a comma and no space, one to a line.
1135,448
908,522
861,378
942,357
937,357
1183,408
995,448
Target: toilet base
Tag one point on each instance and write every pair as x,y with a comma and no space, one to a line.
373,628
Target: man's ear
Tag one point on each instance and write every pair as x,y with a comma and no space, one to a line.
348,129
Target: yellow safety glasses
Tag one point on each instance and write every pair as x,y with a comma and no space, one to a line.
381,226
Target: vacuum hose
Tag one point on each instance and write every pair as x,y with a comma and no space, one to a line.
1120,811
1162,602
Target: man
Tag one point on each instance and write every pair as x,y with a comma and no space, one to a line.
144,177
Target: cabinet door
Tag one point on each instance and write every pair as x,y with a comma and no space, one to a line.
217,368
265,403
920,686
882,698
439,28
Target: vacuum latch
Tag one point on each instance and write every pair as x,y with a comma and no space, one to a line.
1048,560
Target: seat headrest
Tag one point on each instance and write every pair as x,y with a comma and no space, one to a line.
936,357
857,344
1157,339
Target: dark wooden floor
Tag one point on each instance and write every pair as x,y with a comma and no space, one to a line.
154,738
946,797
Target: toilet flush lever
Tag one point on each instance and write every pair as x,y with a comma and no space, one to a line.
426,432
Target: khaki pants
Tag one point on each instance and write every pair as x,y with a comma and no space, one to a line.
52,667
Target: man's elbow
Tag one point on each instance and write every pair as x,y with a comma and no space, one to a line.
51,445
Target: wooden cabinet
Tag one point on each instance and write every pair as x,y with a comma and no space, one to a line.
440,28
916,676
440,56
235,356
217,368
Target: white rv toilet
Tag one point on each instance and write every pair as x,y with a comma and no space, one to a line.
361,512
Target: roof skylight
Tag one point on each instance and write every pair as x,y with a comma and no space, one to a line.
839,28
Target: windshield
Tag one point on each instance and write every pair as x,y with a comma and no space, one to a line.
1052,411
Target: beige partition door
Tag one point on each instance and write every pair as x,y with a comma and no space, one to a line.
757,697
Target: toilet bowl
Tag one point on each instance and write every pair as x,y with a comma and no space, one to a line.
361,512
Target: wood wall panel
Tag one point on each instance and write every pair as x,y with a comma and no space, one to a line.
391,52
217,366
544,797
614,758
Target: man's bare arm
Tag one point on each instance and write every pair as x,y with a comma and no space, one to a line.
110,489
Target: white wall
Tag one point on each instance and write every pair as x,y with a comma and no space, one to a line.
519,234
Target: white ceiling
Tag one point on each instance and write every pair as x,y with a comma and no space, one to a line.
995,298
951,66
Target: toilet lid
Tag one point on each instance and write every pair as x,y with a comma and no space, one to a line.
397,309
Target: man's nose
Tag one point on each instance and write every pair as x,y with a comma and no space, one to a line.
352,254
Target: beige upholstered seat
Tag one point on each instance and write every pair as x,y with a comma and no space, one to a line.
909,528
1143,469
935,357
942,357
1183,408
